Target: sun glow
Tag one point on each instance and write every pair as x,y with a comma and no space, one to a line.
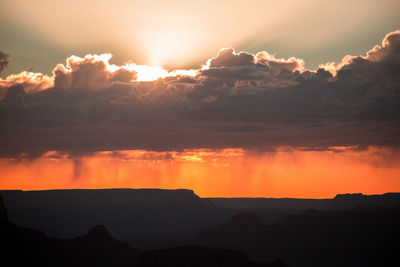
145,73
148,73
164,45
151,73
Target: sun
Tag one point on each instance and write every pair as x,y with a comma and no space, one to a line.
149,73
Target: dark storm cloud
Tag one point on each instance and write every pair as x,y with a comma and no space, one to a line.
4,60
237,100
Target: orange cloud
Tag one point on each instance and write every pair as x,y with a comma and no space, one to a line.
32,82
286,172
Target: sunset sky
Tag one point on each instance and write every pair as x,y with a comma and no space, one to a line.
227,98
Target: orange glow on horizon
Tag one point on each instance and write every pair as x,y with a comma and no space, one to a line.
214,173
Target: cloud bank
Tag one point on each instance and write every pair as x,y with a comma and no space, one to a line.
236,100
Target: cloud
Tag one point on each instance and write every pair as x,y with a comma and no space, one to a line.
31,82
239,100
382,60
278,64
3,60
92,72
227,57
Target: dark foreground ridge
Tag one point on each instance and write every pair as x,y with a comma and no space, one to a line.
197,256
313,238
22,246
177,228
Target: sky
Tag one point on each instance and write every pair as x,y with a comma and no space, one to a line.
227,98
181,34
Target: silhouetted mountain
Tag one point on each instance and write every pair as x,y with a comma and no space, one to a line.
155,218
3,210
125,212
339,202
270,203
22,246
196,256
366,234
97,248
350,201
313,238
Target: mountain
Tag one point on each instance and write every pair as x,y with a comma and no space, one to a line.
22,246
3,211
125,212
156,218
197,256
270,203
339,202
312,238
348,230
354,201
